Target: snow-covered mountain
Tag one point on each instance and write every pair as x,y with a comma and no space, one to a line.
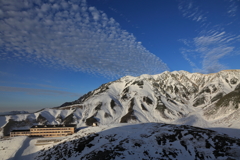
179,97
146,117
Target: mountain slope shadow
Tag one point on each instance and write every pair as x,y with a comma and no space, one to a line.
21,150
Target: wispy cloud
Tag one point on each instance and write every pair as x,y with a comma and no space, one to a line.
198,11
34,91
212,42
190,10
185,53
210,47
70,34
233,8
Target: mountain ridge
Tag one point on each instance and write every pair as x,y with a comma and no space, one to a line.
177,97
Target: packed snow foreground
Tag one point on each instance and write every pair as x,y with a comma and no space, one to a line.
146,117
128,141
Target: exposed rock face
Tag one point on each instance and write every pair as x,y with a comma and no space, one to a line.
177,97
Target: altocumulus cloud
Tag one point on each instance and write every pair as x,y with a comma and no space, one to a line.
70,34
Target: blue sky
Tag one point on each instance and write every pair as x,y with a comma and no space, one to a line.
53,51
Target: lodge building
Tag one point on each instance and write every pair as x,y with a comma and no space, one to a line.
25,132
46,131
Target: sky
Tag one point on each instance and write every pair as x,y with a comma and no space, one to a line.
54,51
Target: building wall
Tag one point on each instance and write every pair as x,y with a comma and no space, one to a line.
20,133
45,132
52,132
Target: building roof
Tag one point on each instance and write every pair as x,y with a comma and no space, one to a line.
54,126
21,130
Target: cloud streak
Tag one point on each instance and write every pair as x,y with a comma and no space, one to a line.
31,84
33,91
71,35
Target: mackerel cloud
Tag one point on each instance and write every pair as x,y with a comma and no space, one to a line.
70,34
